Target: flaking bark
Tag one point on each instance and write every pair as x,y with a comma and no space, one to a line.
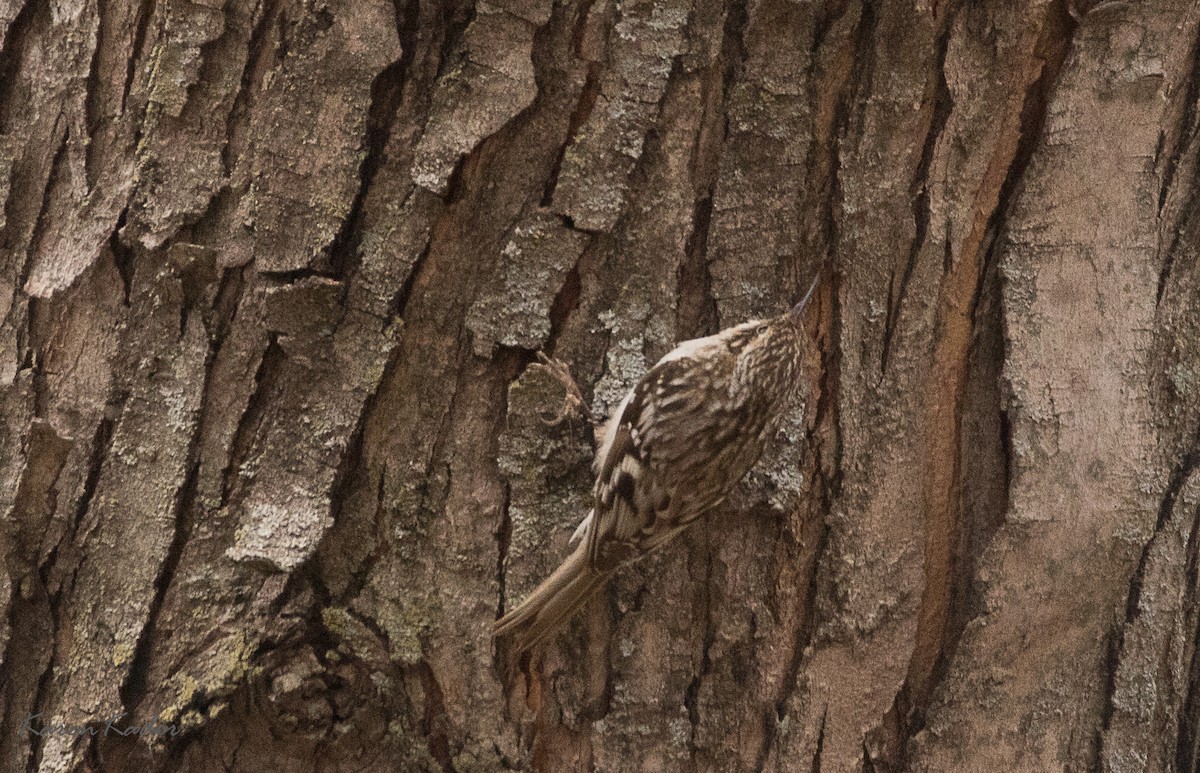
277,446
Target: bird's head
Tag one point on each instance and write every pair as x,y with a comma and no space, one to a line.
769,351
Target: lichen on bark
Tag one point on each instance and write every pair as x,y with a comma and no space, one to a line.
310,313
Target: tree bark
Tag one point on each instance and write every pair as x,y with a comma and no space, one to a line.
277,444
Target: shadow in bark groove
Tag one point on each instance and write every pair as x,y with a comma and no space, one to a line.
33,13
942,104
387,91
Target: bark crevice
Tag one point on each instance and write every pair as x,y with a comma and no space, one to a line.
942,104
12,50
362,248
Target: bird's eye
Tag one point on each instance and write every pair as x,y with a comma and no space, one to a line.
761,329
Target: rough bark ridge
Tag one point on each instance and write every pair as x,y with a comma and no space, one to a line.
276,446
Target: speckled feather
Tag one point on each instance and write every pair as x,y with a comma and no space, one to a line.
688,431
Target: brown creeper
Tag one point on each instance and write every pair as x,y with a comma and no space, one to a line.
682,438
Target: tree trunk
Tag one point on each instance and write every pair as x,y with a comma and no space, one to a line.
278,447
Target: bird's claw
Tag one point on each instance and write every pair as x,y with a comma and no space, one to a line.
573,399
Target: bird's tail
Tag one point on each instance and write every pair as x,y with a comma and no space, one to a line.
550,605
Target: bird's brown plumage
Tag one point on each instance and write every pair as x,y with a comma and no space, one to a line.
682,438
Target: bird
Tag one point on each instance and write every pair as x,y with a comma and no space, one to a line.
686,433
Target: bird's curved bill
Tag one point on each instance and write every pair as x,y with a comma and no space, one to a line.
799,307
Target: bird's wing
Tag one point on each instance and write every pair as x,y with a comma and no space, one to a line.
617,468
631,494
